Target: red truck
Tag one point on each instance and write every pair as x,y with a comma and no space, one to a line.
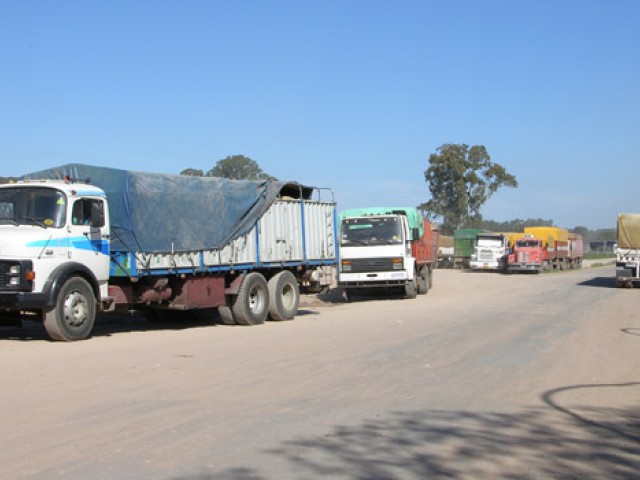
546,248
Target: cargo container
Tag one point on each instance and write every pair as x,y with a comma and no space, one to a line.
464,242
628,250
386,249
576,250
70,248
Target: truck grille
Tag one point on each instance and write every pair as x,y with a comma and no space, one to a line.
360,265
523,257
486,256
4,269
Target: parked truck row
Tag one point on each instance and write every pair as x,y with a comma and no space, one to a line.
78,240
536,249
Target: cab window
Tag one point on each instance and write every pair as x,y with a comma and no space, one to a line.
88,211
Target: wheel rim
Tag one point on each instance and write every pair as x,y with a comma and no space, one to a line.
256,299
76,309
288,297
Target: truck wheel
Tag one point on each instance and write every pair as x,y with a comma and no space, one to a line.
347,294
226,315
424,281
411,289
74,314
284,296
251,306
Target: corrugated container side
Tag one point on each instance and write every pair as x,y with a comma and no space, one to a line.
575,245
320,230
280,235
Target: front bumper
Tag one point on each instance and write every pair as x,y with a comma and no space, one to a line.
524,267
16,301
480,265
373,279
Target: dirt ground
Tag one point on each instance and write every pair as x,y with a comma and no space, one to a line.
486,376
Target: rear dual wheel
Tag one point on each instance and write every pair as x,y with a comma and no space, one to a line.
251,305
284,296
279,299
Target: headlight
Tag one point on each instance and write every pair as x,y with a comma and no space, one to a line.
14,270
397,263
346,265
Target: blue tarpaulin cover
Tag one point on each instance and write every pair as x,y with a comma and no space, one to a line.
154,212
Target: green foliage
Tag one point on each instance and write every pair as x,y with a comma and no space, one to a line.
194,172
235,167
461,179
238,167
516,225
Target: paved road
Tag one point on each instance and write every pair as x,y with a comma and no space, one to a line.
487,376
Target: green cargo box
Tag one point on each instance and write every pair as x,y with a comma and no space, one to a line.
464,241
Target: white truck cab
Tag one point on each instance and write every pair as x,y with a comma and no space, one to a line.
375,251
490,252
51,230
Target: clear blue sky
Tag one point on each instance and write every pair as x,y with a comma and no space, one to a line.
351,95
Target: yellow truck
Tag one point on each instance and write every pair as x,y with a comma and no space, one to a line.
628,250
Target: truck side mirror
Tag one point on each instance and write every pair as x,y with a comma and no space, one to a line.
415,234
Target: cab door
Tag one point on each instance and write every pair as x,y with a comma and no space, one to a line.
89,236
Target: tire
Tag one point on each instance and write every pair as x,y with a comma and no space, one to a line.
347,295
424,281
411,288
226,315
74,314
251,306
284,296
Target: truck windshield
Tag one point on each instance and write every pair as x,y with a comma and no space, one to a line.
41,206
490,241
527,243
371,231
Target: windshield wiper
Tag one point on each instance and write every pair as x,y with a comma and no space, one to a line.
357,242
37,221
9,220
